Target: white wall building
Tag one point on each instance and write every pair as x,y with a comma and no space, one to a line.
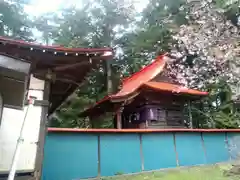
11,122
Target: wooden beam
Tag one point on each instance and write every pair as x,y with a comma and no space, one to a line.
69,66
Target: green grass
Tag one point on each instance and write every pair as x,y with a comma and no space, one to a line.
215,172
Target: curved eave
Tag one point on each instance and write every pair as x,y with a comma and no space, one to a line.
112,102
172,88
96,107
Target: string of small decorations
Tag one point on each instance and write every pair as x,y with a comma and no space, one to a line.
66,53
106,53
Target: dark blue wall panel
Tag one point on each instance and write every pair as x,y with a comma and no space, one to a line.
120,153
70,156
158,151
216,147
189,148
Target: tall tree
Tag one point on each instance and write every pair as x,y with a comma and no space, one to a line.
14,22
98,23
152,35
207,46
203,40
201,37
207,56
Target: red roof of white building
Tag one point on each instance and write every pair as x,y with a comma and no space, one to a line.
69,65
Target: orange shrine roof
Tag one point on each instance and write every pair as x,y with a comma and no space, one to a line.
143,80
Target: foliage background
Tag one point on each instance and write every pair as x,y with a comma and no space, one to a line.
137,38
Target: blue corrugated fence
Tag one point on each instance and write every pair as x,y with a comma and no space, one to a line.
71,155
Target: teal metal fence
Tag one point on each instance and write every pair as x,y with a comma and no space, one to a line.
79,154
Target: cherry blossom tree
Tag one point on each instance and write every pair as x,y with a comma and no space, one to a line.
206,49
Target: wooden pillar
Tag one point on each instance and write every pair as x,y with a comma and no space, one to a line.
42,134
119,118
91,121
190,114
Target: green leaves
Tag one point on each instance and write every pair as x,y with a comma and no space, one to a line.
217,109
232,10
137,41
99,23
14,21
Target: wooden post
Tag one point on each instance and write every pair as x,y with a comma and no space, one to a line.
91,121
146,124
42,134
190,114
119,118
